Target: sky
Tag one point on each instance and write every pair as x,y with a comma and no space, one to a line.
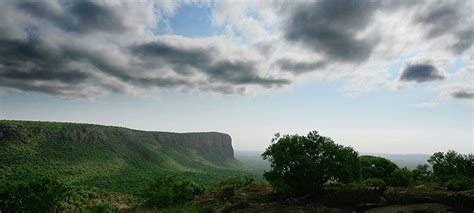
380,76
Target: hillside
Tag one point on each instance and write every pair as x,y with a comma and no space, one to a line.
112,158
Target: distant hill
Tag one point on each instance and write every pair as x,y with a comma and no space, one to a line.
114,158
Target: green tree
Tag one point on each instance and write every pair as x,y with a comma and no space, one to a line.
300,165
166,192
38,195
376,167
401,177
421,172
374,182
452,164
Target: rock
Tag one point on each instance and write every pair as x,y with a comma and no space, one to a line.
425,207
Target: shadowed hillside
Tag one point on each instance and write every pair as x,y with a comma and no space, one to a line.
114,158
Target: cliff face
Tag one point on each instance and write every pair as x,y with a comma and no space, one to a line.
213,146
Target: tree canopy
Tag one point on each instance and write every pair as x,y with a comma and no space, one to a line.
300,165
452,164
376,167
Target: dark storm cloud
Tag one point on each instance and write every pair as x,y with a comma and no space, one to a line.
463,94
70,77
449,18
34,66
66,62
204,61
298,67
32,60
77,16
421,73
330,27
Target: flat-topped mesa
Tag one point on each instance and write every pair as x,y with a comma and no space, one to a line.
210,148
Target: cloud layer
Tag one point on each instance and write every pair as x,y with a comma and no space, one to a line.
88,49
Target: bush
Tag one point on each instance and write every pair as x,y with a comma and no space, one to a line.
376,167
236,182
459,184
374,182
422,173
401,177
165,192
39,195
301,165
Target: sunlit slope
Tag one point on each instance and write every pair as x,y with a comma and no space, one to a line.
114,158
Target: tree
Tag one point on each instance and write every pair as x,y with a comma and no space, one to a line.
401,177
376,167
38,195
166,192
452,164
421,172
300,165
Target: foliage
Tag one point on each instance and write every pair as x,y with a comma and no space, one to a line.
166,192
459,183
40,195
376,167
300,165
89,156
236,182
401,177
422,173
452,164
374,182
188,209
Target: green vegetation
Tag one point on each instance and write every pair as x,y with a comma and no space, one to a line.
166,192
41,195
236,182
452,164
374,182
301,165
306,165
401,177
422,173
104,157
459,183
47,167
110,164
376,167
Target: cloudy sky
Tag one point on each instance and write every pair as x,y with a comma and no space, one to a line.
381,76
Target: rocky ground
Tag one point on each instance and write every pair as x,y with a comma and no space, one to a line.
259,198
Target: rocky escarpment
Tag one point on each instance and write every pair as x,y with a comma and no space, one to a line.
111,158
206,147
212,146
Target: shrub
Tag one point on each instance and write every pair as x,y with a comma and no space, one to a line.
236,182
301,165
374,182
165,192
401,177
39,195
459,184
422,173
376,167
